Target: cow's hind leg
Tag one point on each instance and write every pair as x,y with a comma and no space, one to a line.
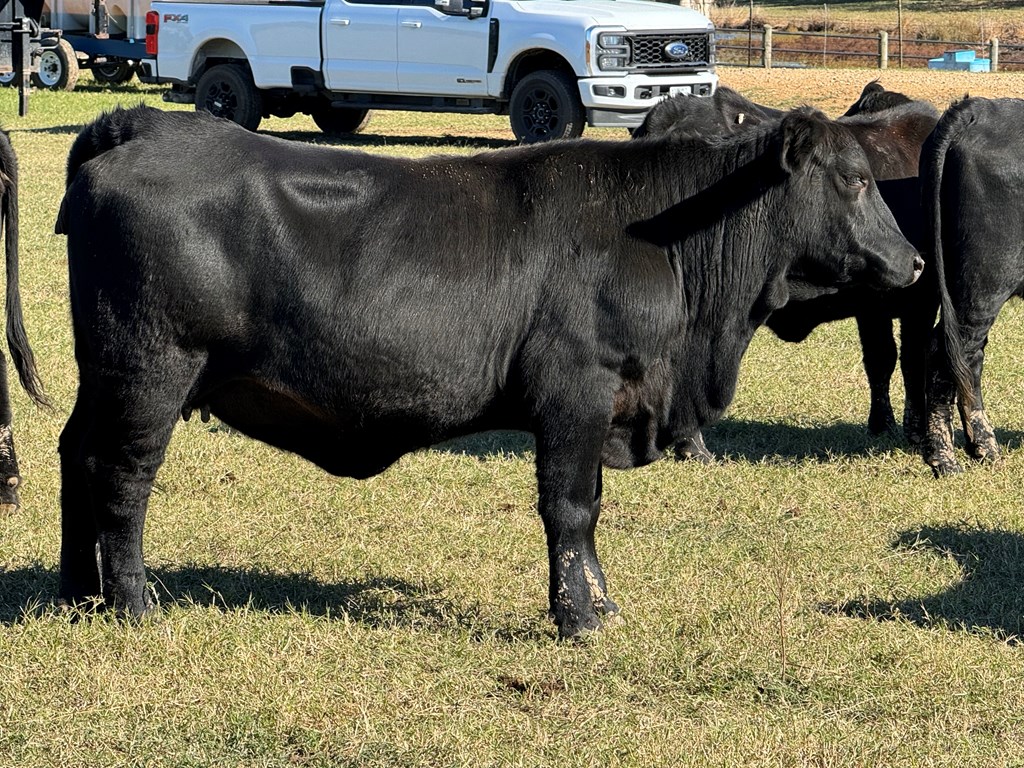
938,447
879,350
979,436
569,484
79,567
121,432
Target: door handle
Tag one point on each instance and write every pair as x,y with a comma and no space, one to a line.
341,22
412,24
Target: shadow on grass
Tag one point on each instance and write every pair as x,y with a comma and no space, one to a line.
988,599
56,130
490,445
738,440
376,601
756,441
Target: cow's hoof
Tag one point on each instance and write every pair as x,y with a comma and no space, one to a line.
581,632
608,608
691,450
985,450
80,605
942,468
882,424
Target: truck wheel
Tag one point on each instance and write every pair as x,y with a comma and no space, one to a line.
114,72
228,91
546,105
340,122
58,68
7,78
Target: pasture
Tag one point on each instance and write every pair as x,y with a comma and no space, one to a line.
814,598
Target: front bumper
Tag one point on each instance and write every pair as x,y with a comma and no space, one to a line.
623,102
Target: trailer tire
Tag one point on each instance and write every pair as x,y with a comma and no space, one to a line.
114,72
340,122
227,91
58,68
546,105
7,78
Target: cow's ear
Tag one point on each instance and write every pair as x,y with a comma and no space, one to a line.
803,131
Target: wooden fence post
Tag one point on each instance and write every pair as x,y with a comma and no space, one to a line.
883,49
766,46
993,54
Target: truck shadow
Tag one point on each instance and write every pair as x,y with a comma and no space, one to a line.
988,599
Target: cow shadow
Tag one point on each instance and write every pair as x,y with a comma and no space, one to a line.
375,601
55,130
988,599
756,441
490,445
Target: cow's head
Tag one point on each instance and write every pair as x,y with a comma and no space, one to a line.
841,231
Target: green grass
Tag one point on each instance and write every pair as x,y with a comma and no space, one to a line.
814,599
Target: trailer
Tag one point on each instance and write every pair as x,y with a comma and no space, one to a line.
22,44
105,36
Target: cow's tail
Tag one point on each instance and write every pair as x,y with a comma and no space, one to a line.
17,340
109,130
953,123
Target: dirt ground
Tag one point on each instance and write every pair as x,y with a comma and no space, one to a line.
833,90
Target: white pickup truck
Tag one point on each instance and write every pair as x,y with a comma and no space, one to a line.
550,65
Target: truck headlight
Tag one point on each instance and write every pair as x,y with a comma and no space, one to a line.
613,62
612,51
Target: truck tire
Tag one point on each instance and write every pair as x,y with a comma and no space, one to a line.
546,105
58,68
7,78
228,91
341,121
114,72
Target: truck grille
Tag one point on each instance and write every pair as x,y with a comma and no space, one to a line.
648,50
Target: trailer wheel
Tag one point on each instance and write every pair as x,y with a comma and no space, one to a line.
7,78
340,122
114,71
228,91
546,105
58,68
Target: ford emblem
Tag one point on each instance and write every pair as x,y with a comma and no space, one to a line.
677,50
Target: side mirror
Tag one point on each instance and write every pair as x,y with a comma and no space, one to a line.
469,8
452,7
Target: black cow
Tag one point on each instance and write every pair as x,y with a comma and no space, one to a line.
972,168
875,98
351,308
17,341
891,128
726,111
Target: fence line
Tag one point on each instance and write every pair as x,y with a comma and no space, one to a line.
743,46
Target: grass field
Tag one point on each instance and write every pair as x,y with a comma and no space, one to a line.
968,20
813,599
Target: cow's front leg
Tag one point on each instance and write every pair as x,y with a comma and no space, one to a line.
879,352
569,484
915,334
